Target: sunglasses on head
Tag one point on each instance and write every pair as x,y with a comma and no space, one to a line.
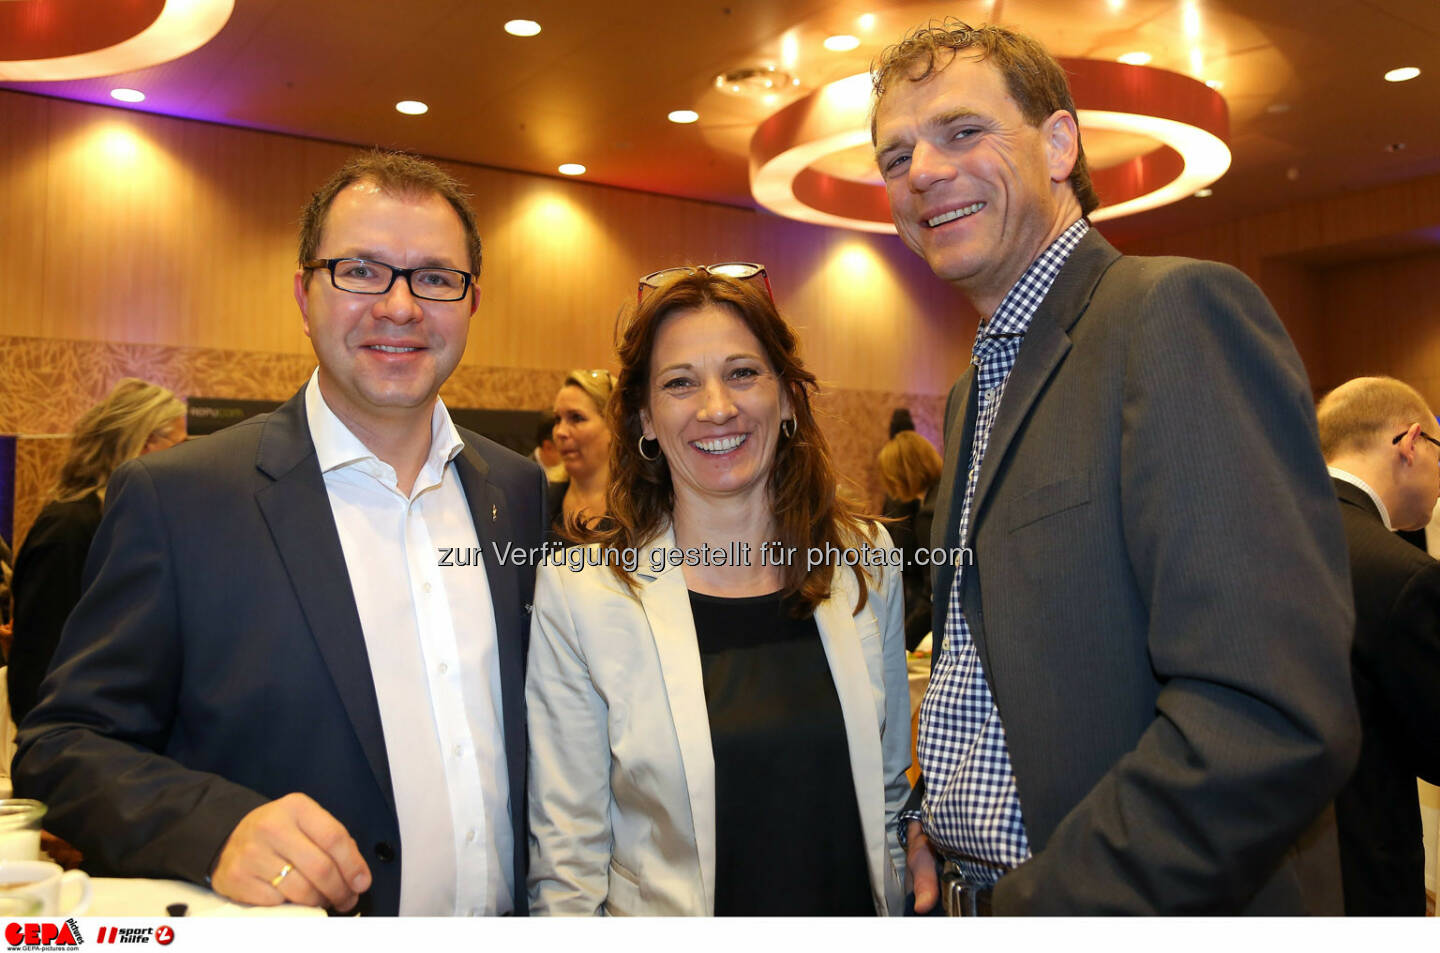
739,270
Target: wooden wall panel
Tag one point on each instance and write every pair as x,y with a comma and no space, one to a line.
23,171
1384,318
167,232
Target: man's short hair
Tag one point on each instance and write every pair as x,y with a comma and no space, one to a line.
544,428
398,174
1033,78
1362,414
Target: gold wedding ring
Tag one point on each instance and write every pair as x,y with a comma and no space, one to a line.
284,872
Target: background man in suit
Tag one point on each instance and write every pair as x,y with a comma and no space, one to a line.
1383,446
273,683
1141,697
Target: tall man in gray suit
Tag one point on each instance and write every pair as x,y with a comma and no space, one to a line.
274,683
1140,699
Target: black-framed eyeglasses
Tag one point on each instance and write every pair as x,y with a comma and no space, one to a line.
739,270
1421,434
364,276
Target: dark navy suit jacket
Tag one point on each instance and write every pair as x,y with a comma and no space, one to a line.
216,660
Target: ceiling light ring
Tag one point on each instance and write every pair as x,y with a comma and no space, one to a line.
1187,118
183,26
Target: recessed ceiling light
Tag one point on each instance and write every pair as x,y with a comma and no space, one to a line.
1204,193
1214,83
522,27
683,115
841,42
1137,58
412,107
866,21
127,95
572,168
1395,147
1402,74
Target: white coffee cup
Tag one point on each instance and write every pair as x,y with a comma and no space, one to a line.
53,887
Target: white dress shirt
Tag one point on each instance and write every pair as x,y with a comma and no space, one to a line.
430,635
1345,476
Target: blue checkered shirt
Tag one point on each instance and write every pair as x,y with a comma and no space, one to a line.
972,810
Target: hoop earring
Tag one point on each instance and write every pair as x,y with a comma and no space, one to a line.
790,433
645,456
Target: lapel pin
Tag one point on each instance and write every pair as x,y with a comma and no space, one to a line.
494,512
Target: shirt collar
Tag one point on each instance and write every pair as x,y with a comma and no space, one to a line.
1345,476
336,446
1023,299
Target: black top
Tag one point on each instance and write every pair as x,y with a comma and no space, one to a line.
47,586
787,824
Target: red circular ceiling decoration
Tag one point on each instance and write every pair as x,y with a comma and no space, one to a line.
1188,121
44,40
45,29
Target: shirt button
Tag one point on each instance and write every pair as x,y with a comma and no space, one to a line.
473,912
444,667
427,587
990,394
470,836
944,644
457,751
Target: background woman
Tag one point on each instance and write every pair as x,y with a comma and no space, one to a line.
722,731
136,417
583,438
910,469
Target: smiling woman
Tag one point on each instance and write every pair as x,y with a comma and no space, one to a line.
782,677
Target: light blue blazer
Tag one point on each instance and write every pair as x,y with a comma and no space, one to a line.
622,775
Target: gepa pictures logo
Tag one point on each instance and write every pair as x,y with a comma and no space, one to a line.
25,936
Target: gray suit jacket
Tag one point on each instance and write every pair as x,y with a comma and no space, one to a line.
1160,595
216,660
622,773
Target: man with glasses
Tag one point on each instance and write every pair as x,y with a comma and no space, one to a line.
1379,438
273,683
1140,699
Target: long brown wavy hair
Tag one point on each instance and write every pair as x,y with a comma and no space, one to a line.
802,484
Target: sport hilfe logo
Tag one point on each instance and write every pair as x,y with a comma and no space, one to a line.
43,935
163,935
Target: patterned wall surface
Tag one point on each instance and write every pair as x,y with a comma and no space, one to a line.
47,384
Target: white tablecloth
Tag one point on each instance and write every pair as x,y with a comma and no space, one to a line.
127,897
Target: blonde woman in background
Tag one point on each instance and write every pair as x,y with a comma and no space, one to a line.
910,469
583,438
135,418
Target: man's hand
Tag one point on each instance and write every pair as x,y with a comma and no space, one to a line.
924,868
322,867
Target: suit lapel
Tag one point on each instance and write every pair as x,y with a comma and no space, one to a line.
666,602
494,529
857,707
296,508
1046,343
960,423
